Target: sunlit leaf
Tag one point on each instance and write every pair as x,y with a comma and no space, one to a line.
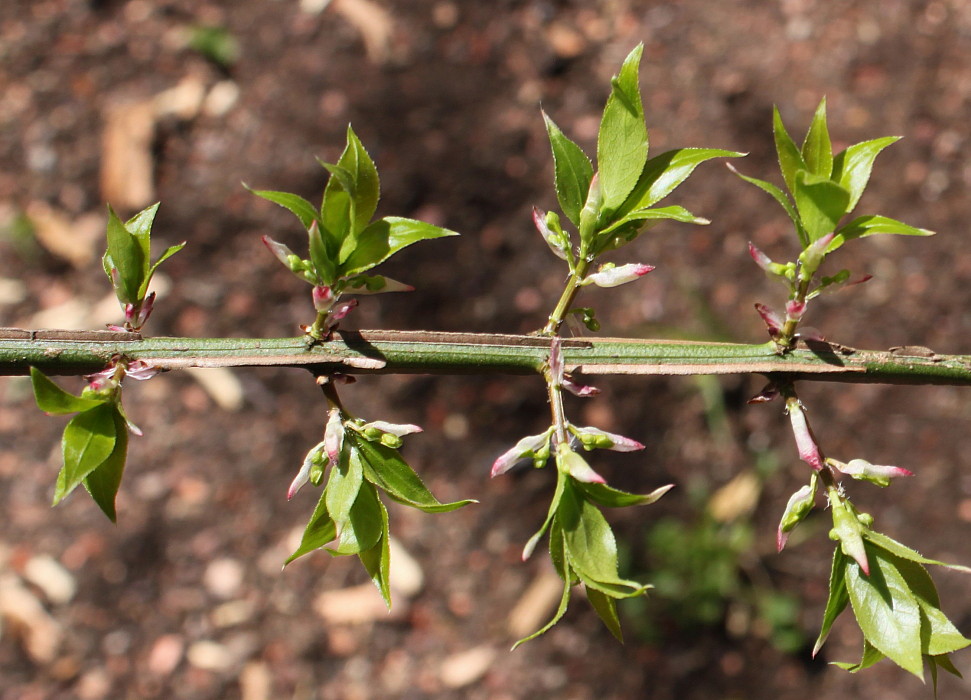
852,167
622,140
104,481
321,530
51,398
817,150
384,238
572,171
88,440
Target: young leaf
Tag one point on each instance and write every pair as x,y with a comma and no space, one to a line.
886,610
127,254
321,530
551,513
304,210
864,226
323,254
364,527
838,597
563,569
665,172
821,203
790,159
361,183
572,171
852,167
590,545
343,484
377,559
385,468
168,253
674,212
384,238
615,498
938,634
904,552
817,150
622,140
88,440
871,655
606,609
104,481
779,196
51,398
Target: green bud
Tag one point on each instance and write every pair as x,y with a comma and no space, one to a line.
389,440
373,433
316,473
866,520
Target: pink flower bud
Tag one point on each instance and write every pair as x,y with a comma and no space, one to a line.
805,442
397,429
526,447
799,505
615,276
812,256
140,370
341,310
334,435
610,441
760,258
771,319
577,467
795,309
145,311
280,251
323,297
303,475
539,219
877,473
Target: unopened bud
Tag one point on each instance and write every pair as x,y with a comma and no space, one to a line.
576,466
530,446
594,438
548,226
799,506
805,442
334,435
878,474
323,297
610,276
771,319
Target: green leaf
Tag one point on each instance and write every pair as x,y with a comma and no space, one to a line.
871,655
554,505
168,253
51,398
572,171
343,484
779,196
322,254
321,530
622,140
606,608
385,468
938,634
790,159
838,597
362,183
563,569
852,167
864,226
384,238
674,212
615,498
104,481
904,552
363,529
304,210
127,253
337,214
377,559
663,173
821,203
817,149
590,545
88,441
886,610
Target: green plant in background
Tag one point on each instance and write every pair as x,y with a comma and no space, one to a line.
216,44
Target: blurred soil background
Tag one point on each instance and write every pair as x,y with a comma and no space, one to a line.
179,101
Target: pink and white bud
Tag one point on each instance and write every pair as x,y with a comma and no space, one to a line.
323,297
771,319
596,438
341,310
581,390
795,309
140,370
282,252
769,393
539,219
303,475
879,474
396,429
577,467
615,276
760,258
799,505
101,380
526,447
812,256
334,435
805,442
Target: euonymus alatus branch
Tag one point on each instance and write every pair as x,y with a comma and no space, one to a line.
429,352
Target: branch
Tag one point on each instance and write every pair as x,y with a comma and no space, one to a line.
426,352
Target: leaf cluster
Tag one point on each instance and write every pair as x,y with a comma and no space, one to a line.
350,511
95,441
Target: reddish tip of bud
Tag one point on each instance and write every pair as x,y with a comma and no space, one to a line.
760,258
780,540
770,318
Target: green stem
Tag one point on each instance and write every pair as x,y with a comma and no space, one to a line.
428,352
570,292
